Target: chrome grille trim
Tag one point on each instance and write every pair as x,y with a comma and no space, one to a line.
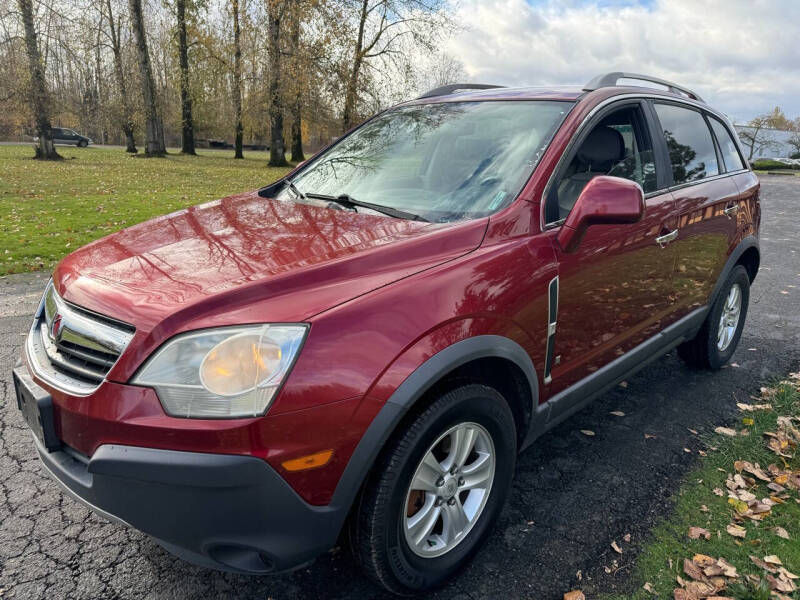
71,348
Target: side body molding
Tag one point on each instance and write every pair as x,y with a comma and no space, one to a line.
420,381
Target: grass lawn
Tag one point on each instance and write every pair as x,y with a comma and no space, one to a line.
661,561
49,209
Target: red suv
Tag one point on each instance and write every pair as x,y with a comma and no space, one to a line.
364,346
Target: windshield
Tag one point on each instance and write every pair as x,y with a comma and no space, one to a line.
443,161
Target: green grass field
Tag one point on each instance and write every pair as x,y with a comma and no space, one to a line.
696,505
48,209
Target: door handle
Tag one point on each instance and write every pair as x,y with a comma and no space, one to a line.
665,239
731,210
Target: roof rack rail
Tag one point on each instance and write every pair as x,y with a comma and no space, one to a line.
610,80
446,90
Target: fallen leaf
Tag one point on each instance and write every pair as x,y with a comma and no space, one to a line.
698,532
772,560
762,565
616,547
725,431
574,595
648,587
718,492
780,585
736,530
692,570
617,413
782,533
627,538
704,560
649,436
727,568
753,407
588,432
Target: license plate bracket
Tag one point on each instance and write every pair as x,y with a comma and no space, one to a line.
36,406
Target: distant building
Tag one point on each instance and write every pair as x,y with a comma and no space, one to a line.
779,148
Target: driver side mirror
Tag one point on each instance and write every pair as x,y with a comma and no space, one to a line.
604,201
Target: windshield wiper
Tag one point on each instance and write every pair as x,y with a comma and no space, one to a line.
294,189
348,201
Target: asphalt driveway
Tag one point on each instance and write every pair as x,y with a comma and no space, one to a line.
573,495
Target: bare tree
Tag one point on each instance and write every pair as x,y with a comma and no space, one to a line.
114,31
442,70
756,136
237,79
154,129
187,138
40,101
382,27
276,10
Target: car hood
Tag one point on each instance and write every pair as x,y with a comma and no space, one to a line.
249,259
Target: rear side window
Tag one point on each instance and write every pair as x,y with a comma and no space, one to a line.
730,155
691,149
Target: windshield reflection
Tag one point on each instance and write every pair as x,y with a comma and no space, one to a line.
442,161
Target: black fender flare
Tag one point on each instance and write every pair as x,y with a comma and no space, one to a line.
412,389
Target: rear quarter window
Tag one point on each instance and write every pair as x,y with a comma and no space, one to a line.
727,147
691,148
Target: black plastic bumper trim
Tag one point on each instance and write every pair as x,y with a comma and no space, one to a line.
230,512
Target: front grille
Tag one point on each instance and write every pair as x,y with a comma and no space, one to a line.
72,348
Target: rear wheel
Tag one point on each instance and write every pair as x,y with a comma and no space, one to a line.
436,490
717,340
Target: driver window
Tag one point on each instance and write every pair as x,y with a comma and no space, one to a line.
616,146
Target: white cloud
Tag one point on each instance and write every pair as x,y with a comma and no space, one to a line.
743,57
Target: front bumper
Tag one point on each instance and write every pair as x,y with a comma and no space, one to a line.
227,512
224,511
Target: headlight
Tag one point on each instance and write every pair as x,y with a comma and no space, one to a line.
227,372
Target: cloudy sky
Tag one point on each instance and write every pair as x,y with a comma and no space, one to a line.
743,57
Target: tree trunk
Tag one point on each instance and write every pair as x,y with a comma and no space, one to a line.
297,105
154,132
277,150
119,72
187,139
351,88
130,141
297,133
237,80
45,149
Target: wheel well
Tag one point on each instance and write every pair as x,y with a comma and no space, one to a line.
750,259
499,373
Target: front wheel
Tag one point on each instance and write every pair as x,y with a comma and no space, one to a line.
717,340
436,490
83,144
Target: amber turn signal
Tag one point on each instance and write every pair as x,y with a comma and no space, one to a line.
312,461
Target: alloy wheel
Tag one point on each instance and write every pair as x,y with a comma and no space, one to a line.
449,490
729,319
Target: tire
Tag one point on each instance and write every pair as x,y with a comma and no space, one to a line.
83,144
387,506
711,348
